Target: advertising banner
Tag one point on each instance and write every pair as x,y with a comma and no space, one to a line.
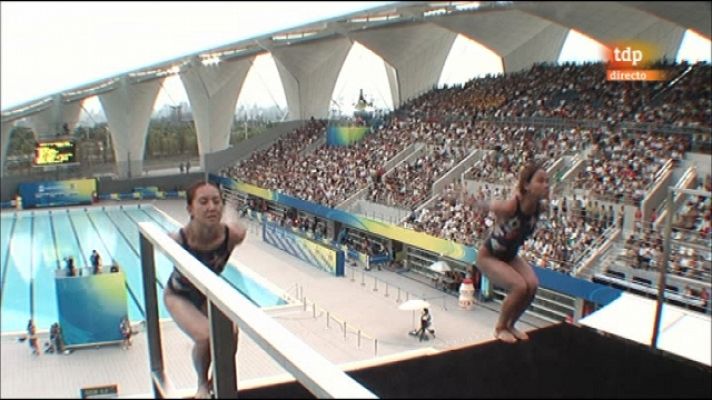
91,308
57,193
345,135
315,253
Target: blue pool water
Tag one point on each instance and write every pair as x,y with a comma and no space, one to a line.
34,243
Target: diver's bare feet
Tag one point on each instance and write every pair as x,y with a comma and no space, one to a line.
518,334
203,392
505,336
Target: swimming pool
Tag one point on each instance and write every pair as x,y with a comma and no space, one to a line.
34,243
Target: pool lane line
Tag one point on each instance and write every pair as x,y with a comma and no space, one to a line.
7,259
54,240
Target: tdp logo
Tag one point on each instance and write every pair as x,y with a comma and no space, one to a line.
632,54
628,55
630,60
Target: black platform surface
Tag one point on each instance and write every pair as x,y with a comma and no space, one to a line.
560,361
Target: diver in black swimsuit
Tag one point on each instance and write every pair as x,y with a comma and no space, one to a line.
213,259
211,242
497,257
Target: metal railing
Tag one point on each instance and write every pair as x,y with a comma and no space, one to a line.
332,320
666,256
395,292
226,307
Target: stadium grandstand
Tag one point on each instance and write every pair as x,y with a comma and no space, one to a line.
623,253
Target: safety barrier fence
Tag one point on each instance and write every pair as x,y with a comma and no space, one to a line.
390,290
226,307
350,331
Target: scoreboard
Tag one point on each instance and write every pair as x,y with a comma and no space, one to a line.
55,152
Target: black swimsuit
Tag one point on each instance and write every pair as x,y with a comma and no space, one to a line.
213,259
508,235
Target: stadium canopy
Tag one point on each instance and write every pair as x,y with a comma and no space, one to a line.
413,38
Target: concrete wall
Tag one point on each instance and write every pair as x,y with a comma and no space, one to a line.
166,182
656,195
379,211
703,162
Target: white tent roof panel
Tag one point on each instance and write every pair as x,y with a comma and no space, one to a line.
682,332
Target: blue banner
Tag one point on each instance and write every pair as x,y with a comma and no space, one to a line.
345,135
322,256
149,192
143,193
593,292
57,193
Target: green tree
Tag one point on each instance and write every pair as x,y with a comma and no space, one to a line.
22,142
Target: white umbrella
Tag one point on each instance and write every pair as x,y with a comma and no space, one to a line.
412,305
440,266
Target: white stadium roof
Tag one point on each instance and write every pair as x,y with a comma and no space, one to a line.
409,34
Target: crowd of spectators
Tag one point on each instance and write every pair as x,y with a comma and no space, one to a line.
452,217
444,120
409,184
623,167
579,92
690,254
568,227
644,250
566,233
512,145
261,168
454,121
328,175
693,220
687,103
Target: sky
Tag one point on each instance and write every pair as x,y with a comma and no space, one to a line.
47,47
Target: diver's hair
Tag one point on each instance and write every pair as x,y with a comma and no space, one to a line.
190,193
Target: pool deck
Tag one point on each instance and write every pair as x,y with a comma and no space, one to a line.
351,299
